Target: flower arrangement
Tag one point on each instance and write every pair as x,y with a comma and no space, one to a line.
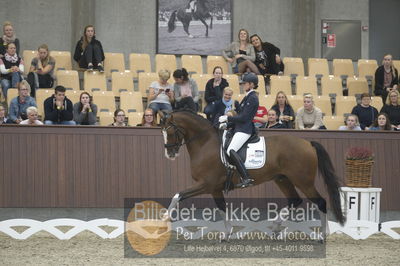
359,153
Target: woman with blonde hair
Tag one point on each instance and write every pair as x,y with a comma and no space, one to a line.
224,105
7,38
89,52
161,93
351,123
392,109
240,54
386,77
309,116
32,113
148,119
284,111
41,72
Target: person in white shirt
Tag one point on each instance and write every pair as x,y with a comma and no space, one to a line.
351,123
32,113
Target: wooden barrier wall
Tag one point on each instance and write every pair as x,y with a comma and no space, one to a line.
53,166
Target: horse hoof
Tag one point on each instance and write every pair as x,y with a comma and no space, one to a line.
191,36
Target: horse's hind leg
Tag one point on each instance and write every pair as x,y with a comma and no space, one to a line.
186,29
219,199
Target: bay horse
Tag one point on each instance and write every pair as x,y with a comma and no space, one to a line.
291,163
201,13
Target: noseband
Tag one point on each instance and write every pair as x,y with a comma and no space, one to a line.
178,132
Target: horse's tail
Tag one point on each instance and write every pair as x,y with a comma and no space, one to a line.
171,22
331,180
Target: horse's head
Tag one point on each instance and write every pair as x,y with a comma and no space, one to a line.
173,135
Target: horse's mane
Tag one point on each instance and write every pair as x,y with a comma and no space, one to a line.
198,118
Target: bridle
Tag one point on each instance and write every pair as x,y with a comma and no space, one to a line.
179,132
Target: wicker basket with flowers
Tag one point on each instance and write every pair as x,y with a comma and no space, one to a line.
359,162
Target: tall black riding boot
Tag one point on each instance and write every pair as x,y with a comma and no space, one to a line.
246,179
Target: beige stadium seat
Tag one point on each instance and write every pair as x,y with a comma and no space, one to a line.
68,78
318,67
165,61
377,102
357,86
305,85
344,105
280,83
104,100
27,56
74,95
131,102
238,97
262,90
396,64
121,81
192,63
267,101
233,81
333,122
106,118
94,80
343,67
293,66
296,101
331,85
135,118
41,96
201,80
323,103
367,68
11,94
63,60
144,81
213,61
113,62
139,63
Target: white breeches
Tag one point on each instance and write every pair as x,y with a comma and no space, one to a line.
237,141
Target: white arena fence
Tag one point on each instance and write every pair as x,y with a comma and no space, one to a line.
355,229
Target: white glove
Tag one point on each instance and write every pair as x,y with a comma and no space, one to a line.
223,126
223,119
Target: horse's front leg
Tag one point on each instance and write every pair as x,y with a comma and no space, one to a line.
186,29
205,24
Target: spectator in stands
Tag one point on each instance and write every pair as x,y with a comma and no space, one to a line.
261,117
41,70
273,121
3,117
85,111
351,123
225,105
240,54
392,109
32,113
284,111
381,123
386,78
119,119
18,106
186,91
7,38
161,93
89,52
268,60
365,112
214,91
148,119
11,68
309,116
58,108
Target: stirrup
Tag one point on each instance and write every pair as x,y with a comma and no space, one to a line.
246,183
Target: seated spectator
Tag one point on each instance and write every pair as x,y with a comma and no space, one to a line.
351,123
225,105
161,93
32,113
3,117
365,112
148,119
386,78
119,119
284,111
240,54
381,123
58,109
268,60
42,70
7,38
11,68
392,109
273,121
309,116
214,91
18,105
261,117
85,111
89,52
186,91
